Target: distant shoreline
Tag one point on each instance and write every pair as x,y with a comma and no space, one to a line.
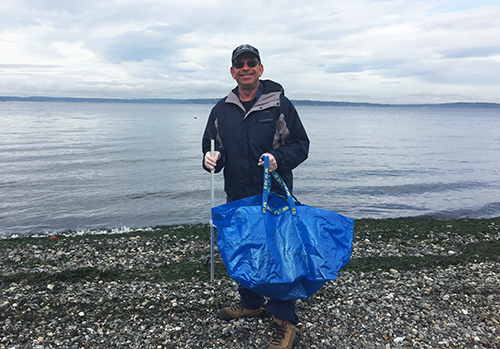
215,100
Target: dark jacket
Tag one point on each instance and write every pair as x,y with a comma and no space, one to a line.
272,125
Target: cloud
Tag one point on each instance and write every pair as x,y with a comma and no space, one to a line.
471,52
152,43
378,51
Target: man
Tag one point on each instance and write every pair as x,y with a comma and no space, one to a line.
255,119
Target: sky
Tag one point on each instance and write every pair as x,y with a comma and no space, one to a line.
378,51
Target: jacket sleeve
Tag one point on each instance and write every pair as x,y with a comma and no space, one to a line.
210,133
292,148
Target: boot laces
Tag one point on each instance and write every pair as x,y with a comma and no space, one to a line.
236,307
279,333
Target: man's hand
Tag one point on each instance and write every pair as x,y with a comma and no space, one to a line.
211,162
273,165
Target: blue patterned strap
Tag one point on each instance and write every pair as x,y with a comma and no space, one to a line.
267,190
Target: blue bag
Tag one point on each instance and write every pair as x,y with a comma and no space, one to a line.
279,247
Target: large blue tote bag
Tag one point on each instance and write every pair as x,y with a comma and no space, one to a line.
279,247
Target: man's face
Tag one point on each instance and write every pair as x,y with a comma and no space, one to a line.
247,77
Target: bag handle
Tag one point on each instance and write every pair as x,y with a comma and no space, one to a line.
267,190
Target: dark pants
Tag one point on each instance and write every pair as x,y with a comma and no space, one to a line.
283,310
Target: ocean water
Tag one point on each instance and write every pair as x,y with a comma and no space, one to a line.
88,166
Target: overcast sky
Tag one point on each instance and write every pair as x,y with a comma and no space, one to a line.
402,51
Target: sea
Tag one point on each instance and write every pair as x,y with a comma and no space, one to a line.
84,167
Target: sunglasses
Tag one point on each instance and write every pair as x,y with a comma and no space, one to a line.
250,64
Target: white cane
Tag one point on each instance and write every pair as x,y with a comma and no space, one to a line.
212,237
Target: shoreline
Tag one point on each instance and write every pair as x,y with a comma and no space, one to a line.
126,229
411,282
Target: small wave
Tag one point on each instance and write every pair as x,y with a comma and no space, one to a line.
418,188
489,210
81,232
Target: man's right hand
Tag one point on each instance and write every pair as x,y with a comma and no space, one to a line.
211,162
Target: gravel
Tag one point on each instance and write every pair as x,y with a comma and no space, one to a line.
457,306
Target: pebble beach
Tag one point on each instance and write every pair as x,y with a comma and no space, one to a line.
410,284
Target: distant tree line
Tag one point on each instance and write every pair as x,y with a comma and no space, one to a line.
215,100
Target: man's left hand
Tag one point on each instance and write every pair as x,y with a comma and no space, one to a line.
273,165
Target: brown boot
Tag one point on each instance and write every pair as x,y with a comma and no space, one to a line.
237,311
283,334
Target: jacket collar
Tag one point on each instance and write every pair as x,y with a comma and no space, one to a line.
270,97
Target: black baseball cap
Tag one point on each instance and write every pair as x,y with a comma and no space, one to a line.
245,48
